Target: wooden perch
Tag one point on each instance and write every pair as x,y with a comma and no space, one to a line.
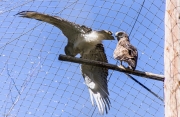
111,66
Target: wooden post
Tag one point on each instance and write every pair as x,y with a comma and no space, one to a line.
111,66
172,59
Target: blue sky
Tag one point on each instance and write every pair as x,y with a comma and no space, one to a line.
34,83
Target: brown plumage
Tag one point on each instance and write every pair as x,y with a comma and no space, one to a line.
125,51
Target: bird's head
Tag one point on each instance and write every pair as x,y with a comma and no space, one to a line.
120,35
106,35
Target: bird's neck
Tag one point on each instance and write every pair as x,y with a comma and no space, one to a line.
124,39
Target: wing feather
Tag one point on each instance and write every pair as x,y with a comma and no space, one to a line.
68,28
98,75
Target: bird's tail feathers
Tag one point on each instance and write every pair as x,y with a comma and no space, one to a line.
132,64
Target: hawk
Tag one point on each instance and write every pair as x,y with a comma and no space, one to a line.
125,51
96,79
81,39
87,42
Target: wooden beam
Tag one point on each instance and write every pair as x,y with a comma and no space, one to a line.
111,66
172,59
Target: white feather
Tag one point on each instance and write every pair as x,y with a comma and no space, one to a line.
91,96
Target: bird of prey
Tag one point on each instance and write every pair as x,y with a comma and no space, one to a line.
125,51
96,79
81,39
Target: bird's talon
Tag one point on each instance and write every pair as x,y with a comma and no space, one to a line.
122,67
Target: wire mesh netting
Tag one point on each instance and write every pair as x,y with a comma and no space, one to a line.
34,83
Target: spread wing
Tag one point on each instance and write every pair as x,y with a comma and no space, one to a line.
69,29
96,79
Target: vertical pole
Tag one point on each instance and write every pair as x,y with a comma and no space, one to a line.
172,59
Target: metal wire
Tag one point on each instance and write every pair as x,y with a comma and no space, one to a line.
57,88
